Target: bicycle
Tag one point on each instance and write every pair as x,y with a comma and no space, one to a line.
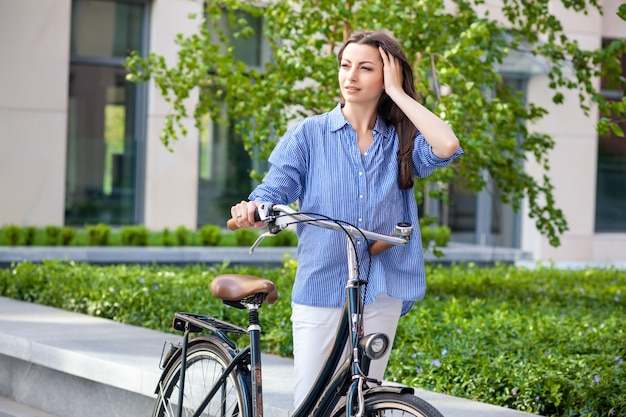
208,375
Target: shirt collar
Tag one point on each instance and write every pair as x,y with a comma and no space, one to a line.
338,121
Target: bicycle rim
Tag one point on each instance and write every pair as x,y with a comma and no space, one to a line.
389,404
205,363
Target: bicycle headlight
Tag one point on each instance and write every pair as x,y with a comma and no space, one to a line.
375,345
404,229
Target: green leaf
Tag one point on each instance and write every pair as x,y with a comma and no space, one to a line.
621,11
617,130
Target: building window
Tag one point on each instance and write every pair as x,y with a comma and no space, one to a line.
224,172
103,141
611,175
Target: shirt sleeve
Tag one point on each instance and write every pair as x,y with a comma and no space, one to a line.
424,159
284,182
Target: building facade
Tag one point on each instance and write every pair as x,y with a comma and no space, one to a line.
81,145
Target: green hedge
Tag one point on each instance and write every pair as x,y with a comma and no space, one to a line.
433,237
544,341
106,235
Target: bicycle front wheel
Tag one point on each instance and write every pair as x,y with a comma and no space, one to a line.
206,360
391,404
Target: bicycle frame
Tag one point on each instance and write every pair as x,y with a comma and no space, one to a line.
325,388
331,380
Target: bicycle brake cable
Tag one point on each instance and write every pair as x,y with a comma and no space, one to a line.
343,224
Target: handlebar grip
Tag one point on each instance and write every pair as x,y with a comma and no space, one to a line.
378,247
232,222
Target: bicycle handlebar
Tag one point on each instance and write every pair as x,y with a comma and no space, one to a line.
279,216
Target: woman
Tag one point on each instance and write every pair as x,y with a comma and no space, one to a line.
355,163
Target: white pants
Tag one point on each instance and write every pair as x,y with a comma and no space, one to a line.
314,331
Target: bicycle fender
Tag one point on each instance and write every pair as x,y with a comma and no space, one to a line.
175,355
396,389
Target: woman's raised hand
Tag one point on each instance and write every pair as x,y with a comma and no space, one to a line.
392,73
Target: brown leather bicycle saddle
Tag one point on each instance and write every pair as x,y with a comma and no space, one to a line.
235,287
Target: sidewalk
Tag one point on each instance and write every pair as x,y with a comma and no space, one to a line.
73,365
10,408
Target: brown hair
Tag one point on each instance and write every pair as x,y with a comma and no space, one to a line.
387,109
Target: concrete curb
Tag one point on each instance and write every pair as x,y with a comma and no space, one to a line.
456,252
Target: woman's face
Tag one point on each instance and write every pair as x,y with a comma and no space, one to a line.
361,74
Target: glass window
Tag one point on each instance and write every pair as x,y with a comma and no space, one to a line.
224,172
462,212
105,28
103,141
100,179
254,51
248,50
611,184
611,175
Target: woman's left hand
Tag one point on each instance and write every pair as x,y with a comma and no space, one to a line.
392,72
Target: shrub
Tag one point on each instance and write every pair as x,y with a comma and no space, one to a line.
67,235
166,237
53,235
245,237
284,238
98,235
210,235
544,341
13,234
182,235
135,235
29,235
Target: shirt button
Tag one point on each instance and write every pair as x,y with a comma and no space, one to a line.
358,242
360,173
361,196
364,153
360,219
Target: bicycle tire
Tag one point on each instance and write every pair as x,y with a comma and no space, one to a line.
205,362
392,404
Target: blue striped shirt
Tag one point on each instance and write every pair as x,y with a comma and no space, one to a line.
318,163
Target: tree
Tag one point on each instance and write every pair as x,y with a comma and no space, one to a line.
455,53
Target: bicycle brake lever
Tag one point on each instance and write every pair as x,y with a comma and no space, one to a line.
266,213
275,219
258,241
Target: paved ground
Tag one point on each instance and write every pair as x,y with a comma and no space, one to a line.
10,408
